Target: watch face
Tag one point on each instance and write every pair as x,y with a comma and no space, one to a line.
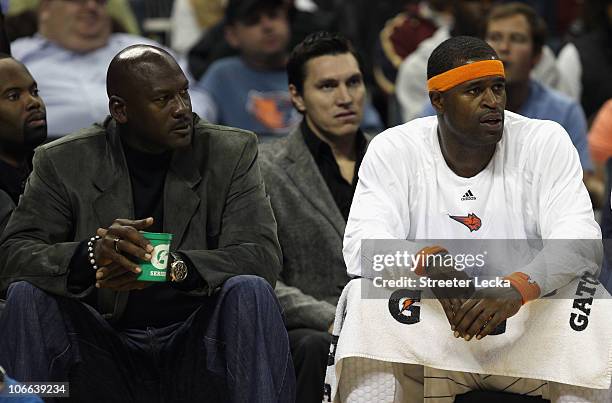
178,271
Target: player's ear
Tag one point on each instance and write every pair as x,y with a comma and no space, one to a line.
437,101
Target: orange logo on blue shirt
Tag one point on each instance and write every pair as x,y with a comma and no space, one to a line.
273,110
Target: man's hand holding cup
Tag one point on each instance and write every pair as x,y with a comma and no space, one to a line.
117,251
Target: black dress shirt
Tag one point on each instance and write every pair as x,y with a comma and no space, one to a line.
341,190
12,180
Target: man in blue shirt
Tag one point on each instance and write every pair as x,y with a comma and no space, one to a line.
517,34
250,91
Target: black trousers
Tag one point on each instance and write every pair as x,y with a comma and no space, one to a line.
234,348
309,349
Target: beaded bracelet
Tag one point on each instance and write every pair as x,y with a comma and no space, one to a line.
90,251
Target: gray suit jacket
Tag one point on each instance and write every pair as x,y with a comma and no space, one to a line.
214,204
6,209
310,230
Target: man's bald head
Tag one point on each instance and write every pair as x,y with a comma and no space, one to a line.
149,99
135,66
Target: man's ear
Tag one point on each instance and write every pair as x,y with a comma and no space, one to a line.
231,37
296,99
117,108
437,101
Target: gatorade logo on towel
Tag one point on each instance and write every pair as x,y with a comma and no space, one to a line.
404,306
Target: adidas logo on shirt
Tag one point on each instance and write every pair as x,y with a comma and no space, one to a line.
468,196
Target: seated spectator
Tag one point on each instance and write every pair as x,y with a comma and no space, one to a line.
76,311
118,10
411,83
250,91
586,59
305,17
70,53
401,36
23,126
310,177
469,18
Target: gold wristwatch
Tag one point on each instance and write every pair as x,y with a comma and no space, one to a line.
178,269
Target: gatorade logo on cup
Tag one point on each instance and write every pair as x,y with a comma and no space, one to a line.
160,256
155,269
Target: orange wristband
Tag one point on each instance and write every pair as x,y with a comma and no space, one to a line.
424,253
528,288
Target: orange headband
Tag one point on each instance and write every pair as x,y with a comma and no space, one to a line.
467,72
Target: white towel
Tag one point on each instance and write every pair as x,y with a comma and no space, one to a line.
539,342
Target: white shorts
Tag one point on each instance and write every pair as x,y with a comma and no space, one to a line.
365,380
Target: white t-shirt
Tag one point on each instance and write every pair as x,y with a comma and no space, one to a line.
531,189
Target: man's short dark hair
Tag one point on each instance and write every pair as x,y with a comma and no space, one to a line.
457,51
315,45
536,23
244,10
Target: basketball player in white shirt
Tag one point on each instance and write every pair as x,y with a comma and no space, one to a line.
477,171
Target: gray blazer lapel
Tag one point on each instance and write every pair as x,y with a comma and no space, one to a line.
180,198
305,174
113,183
114,201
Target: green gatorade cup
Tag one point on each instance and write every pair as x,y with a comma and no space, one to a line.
155,270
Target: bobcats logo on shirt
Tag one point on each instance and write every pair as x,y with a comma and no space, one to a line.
472,221
274,110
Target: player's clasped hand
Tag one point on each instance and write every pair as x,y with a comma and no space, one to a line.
487,308
115,252
451,298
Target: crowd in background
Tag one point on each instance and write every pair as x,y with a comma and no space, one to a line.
236,66
394,39
234,53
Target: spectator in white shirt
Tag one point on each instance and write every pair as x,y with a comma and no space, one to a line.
69,57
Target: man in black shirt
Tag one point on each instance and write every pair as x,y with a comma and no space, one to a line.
76,311
23,126
311,177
